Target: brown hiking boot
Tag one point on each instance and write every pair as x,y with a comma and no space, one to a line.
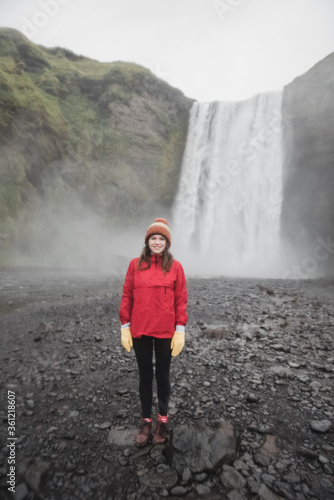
143,433
160,433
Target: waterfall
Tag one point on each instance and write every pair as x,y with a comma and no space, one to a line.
226,214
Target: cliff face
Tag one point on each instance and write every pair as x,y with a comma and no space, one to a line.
308,141
78,136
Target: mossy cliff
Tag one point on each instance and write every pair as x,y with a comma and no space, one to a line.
308,141
82,137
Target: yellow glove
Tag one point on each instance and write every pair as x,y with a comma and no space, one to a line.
177,343
126,338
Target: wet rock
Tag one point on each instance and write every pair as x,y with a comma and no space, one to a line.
201,477
21,491
142,472
202,446
281,371
269,449
253,485
159,460
35,474
163,493
186,475
320,425
68,435
241,466
122,391
161,468
165,479
218,332
315,386
179,491
304,379
265,429
262,460
157,452
236,495
69,466
73,414
121,413
123,461
292,478
202,490
285,490
323,459
278,347
252,398
105,425
265,493
121,437
269,291
293,364
232,479
72,355
306,452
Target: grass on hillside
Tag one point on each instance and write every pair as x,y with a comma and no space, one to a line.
59,140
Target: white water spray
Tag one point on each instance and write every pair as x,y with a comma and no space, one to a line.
226,216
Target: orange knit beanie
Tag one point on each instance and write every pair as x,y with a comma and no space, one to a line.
159,226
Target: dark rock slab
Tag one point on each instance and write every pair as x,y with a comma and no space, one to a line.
202,446
166,479
35,474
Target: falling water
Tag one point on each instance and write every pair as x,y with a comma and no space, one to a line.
226,215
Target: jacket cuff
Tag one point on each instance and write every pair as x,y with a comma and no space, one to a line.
180,328
126,325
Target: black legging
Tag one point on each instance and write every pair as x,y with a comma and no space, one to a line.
144,353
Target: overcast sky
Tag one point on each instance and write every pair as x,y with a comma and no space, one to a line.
210,49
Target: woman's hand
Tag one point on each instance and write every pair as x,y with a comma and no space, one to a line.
126,339
177,343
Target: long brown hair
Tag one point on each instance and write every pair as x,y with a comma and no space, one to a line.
166,260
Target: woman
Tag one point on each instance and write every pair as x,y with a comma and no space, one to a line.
153,314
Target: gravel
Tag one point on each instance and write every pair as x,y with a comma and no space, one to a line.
259,354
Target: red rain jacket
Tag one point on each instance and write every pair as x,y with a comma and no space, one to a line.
154,302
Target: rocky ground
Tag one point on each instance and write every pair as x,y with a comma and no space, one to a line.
259,354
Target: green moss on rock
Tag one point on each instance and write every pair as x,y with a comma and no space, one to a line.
113,133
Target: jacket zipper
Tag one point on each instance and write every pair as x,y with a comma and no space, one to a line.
156,263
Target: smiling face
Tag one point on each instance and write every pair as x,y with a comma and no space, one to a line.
157,243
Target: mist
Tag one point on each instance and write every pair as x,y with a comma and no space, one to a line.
64,236
61,236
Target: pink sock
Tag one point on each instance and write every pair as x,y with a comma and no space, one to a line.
163,418
147,419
